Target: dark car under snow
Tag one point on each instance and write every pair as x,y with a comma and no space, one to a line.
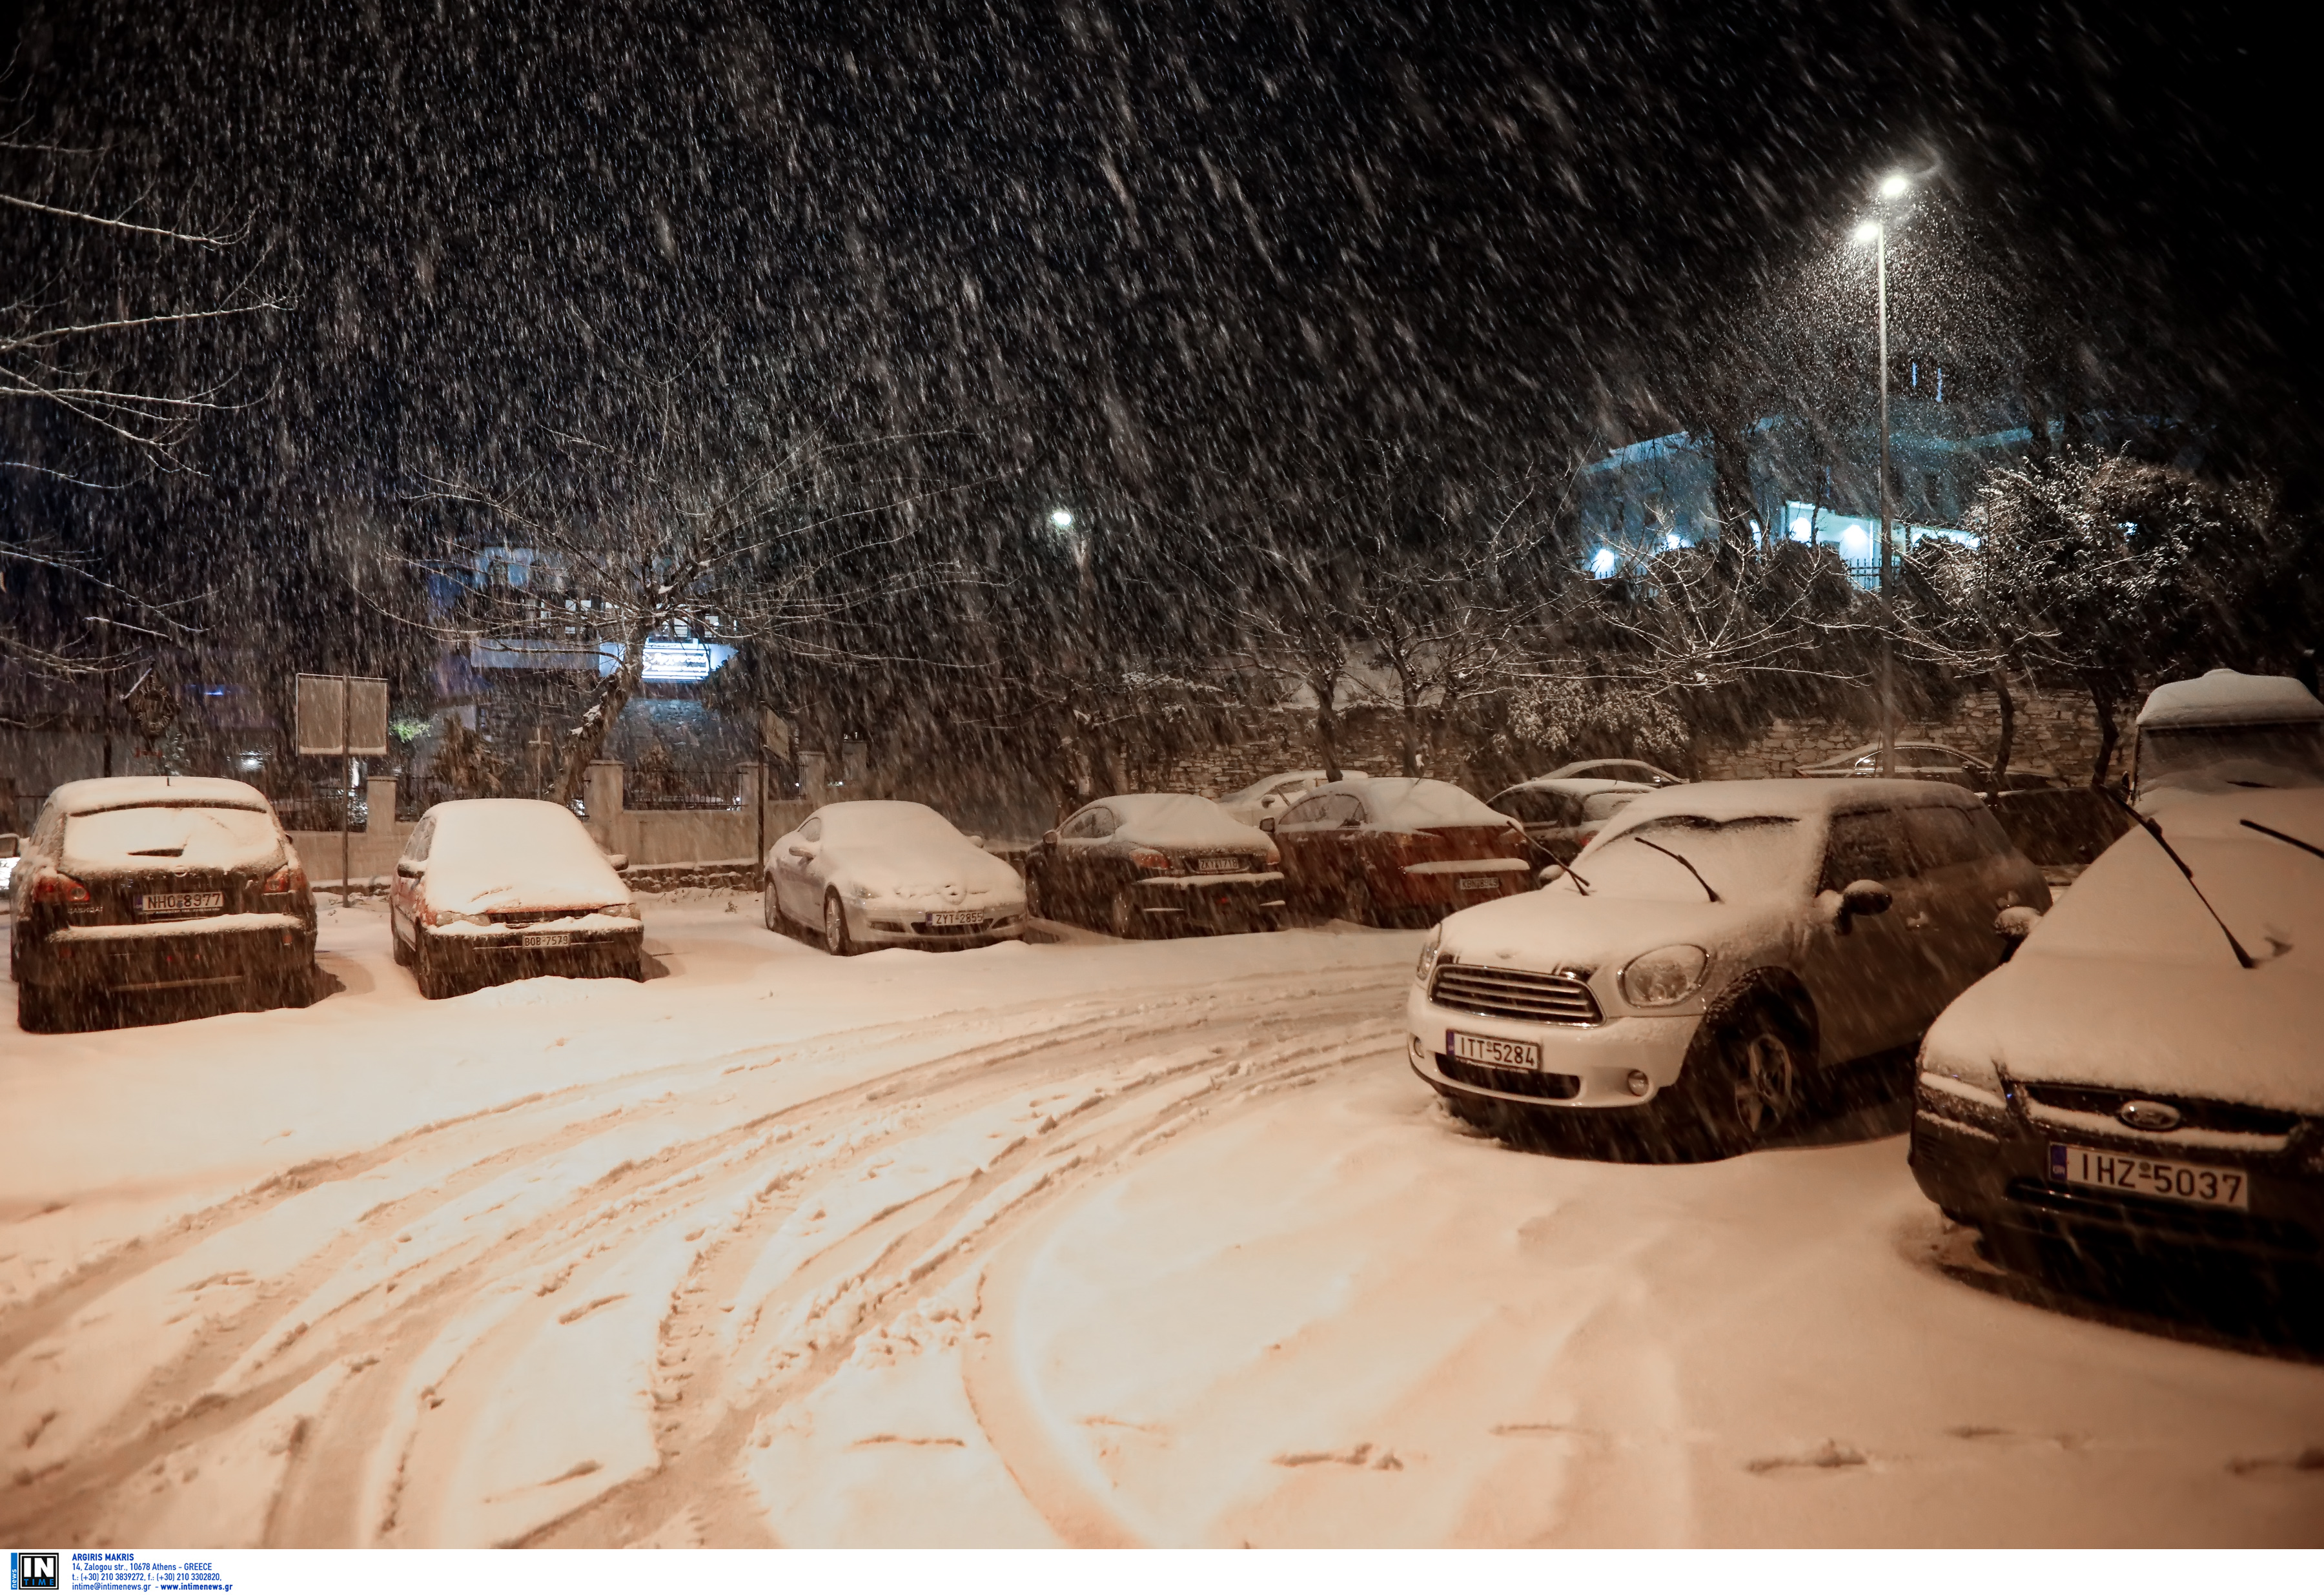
1148,863
148,884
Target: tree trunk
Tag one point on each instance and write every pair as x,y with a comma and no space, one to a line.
596,723
2102,698
2008,706
1411,739
2037,420
1731,493
1327,725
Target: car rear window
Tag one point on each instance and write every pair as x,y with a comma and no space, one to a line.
144,838
1533,809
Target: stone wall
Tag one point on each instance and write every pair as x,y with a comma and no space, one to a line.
1369,741
2057,734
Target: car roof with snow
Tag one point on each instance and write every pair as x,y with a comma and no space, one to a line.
869,819
153,791
2228,697
1576,785
1573,771
1868,749
1416,802
1177,819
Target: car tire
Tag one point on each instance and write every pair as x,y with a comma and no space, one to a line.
1744,1077
1038,904
44,1011
835,939
770,910
1124,918
435,980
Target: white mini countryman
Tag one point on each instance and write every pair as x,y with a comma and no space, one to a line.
1716,944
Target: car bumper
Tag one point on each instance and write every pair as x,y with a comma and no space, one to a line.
1224,902
1443,888
1992,1171
889,928
507,957
1583,1066
165,958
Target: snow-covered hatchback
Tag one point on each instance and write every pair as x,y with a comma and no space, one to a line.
2144,1079
1716,944
503,889
157,883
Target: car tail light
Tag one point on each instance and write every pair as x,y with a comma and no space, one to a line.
60,889
1274,857
1146,858
289,879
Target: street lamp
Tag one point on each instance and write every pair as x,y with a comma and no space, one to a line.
1893,187
1063,519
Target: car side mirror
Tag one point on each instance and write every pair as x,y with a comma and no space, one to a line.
800,850
1048,838
411,868
1267,823
1351,822
1549,873
976,841
1865,897
620,861
2016,922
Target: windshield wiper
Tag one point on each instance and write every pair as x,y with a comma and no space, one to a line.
1667,853
2148,825
2279,836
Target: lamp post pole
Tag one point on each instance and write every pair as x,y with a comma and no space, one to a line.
1887,601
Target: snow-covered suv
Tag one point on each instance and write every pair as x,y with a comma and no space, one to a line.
1717,944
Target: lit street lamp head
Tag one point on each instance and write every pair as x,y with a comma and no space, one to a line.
1063,519
1866,232
1894,186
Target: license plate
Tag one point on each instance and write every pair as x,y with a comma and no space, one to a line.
1216,865
1493,1051
1480,883
181,902
2202,1183
956,916
548,938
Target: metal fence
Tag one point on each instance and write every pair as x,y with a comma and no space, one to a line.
680,787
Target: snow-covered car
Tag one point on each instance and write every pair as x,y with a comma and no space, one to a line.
1148,862
2145,1076
1399,847
1637,770
2222,731
1717,944
157,883
1271,795
503,889
877,874
11,847
1928,761
1561,815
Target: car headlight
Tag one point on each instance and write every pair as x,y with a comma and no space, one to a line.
621,911
1663,976
1428,951
857,892
454,917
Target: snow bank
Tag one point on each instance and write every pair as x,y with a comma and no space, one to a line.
515,852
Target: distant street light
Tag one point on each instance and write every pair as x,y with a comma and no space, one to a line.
1892,186
1063,519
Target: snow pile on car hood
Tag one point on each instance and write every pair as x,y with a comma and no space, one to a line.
516,852
2130,982
1179,820
909,849
1415,803
1555,929
2227,697
113,841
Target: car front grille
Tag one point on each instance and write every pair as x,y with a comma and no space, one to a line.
534,916
1515,994
2160,1220
2194,1112
1524,1082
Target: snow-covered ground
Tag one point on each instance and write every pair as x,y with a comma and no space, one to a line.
1078,1242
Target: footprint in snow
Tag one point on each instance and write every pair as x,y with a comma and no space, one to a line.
2309,1461
1357,1456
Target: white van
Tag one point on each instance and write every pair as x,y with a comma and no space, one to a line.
2224,731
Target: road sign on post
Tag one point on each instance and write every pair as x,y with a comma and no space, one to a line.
343,717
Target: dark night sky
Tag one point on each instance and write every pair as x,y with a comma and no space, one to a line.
1128,247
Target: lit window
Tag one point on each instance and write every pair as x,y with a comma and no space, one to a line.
1802,528
1603,565
1670,540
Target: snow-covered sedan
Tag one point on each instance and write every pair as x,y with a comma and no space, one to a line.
1562,815
1399,847
1715,945
1146,863
878,873
503,888
1635,771
157,883
1267,797
2147,1076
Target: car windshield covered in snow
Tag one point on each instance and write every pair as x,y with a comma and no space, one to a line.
1750,856
1178,819
872,824
198,837
2235,755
